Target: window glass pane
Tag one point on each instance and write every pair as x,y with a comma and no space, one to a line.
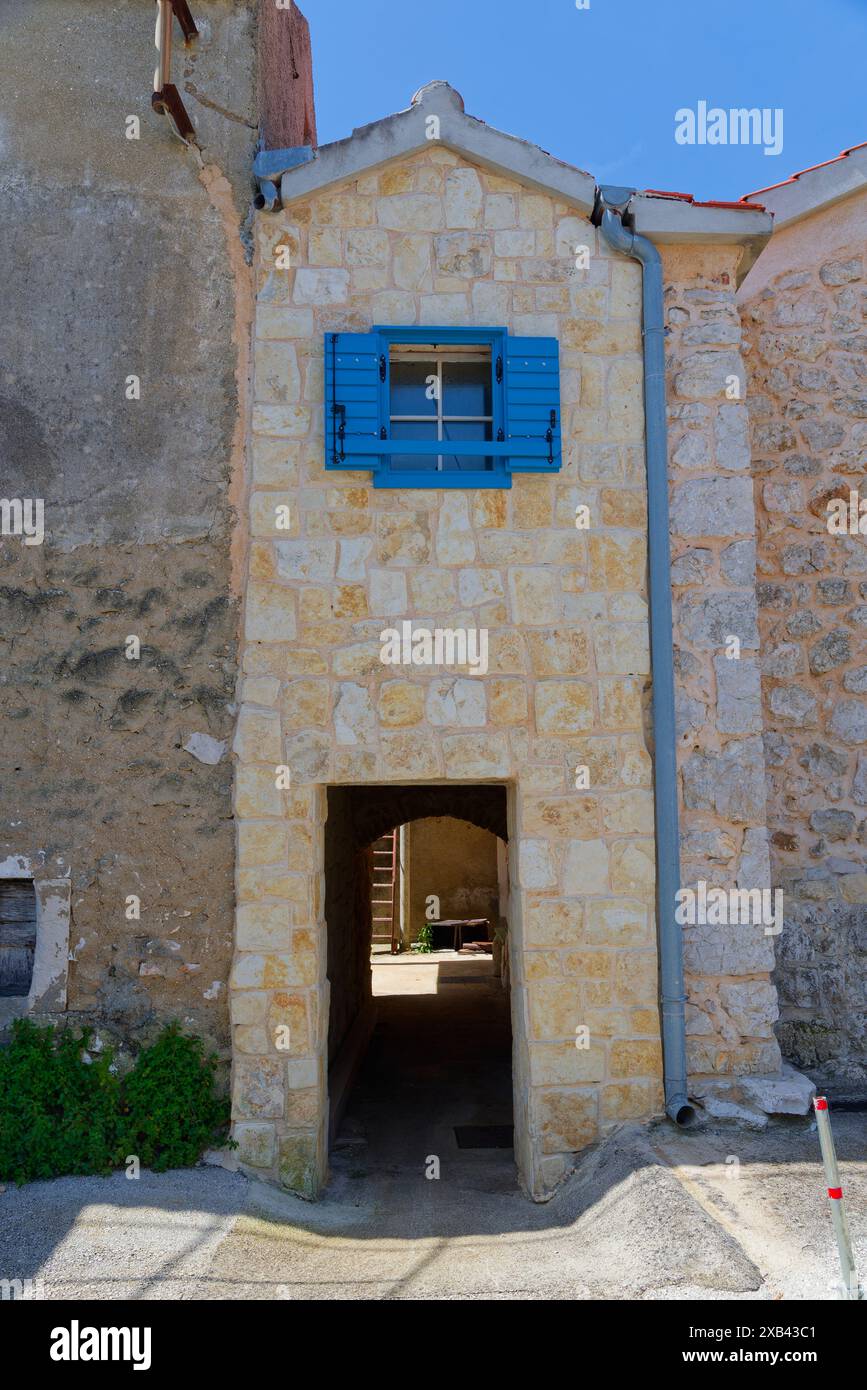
467,388
414,429
409,395
467,429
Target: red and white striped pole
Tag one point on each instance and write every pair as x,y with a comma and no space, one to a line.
849,1287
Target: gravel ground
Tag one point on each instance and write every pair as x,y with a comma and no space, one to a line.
650,1214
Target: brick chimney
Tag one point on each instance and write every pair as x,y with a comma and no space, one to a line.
287,116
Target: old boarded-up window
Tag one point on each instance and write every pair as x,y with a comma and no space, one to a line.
17,936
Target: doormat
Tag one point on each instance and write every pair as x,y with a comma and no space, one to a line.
485,1136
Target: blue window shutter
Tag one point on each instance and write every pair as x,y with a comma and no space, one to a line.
353,400
532,382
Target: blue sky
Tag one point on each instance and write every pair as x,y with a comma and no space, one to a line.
599,88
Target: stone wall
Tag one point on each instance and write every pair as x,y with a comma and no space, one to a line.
124,259
731,1001
457,862
348,876
434,240
804,311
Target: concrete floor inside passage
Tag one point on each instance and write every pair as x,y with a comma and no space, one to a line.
439,1059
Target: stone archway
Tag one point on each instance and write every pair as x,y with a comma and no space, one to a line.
404,1005
376,809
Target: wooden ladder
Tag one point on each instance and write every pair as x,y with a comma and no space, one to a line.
383,900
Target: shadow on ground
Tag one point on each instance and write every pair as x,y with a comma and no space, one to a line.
713,1213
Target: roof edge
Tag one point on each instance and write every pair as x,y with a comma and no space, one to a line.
437,116
811,190
675,219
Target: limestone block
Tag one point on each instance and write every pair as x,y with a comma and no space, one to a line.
454,539
464,254
788,1093
739,696
366,247
412,263
635,1057
298,1164
564,1064
305,703
617,922
321,286
401,704
537,864
721,506
409,754
258,1088
562,818
622,649
476,755
455,701
563,707
463,198
559,652
307,560
410,212
354,715
628,813
257,737
553,922
404,538
257,1144
585,868
263,842
568,1119
508,701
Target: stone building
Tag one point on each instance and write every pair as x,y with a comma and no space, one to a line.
276,540
804,307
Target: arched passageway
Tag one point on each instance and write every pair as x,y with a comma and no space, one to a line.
419,1028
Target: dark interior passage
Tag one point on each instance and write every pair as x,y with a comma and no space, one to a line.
420,1064
438,1071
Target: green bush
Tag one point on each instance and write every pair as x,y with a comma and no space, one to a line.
61,1115
57,1114
171,1110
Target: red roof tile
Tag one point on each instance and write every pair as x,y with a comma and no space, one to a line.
742,205
793,178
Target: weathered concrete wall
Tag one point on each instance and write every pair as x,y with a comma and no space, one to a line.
457,862
732,1003
124,258
805,318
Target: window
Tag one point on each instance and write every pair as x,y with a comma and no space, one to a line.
396,396
439,394
17,936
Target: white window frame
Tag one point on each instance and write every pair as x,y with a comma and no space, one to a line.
429,352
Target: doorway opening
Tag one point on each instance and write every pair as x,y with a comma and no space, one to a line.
419,1029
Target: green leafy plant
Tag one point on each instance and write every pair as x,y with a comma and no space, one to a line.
172,1112
65,1111
57,1113
424,941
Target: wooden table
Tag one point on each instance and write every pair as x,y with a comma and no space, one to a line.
460,924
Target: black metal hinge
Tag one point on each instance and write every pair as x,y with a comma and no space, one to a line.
339,411
549,436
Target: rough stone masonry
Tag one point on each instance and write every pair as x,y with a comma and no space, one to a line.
435,238
138,259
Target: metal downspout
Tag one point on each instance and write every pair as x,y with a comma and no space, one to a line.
672,995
